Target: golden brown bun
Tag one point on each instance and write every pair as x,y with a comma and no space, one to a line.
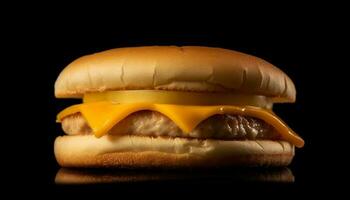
201,69
144,152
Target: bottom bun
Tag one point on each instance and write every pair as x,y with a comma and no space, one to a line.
157,152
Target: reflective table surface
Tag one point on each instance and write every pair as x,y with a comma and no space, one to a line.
106,176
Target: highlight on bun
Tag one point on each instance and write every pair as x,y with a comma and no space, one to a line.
188,68
148,152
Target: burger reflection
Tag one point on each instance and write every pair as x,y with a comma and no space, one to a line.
106,176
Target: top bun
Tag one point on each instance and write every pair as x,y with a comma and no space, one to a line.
189,68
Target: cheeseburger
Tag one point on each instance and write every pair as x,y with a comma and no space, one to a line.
173,107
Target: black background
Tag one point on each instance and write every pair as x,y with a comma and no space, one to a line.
300,43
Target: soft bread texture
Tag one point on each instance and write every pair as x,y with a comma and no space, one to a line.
189,68
156,152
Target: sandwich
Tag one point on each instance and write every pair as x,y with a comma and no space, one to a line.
174,107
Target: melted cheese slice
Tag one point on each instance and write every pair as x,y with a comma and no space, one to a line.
102,116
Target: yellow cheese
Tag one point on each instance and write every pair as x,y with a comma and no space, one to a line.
102,116
178,97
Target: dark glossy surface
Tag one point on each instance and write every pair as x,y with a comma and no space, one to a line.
118,176
292,48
